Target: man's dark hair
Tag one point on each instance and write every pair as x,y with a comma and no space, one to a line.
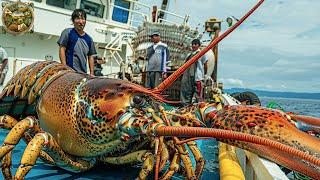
78,13
196,41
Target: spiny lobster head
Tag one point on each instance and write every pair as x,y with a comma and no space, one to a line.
124,105
113,97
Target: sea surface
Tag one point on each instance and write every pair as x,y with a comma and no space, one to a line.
310,107
209,148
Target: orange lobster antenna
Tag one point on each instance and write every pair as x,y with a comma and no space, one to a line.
173,77
171,131
306,119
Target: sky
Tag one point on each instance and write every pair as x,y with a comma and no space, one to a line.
276,49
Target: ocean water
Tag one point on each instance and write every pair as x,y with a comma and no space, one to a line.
208,147
310,107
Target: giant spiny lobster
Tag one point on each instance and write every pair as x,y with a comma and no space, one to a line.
75,120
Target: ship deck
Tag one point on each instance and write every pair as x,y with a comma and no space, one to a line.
42,171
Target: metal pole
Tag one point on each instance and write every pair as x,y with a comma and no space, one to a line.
215,51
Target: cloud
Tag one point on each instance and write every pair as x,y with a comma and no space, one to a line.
268,86
233,82
276,48
265,69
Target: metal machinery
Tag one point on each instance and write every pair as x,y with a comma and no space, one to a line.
177,37
213,27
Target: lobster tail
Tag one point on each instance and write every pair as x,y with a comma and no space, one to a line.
20,93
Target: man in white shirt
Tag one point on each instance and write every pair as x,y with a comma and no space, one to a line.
193,78
3,64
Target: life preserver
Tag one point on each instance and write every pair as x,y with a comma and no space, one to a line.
247,97
17,17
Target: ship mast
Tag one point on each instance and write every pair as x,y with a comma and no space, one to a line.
164,7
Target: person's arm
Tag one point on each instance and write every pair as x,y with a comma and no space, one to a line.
165,60
91,65
149,53
205,60
164,75
63,44
62,55
91,56
3,65
4,61
101,60
205,67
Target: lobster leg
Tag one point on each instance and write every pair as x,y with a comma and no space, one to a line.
139,156
30,155
198,157
184,155
8,122
164,156
44,140
6,165
159,148
189,121
15,134
13,138
147,166
173,168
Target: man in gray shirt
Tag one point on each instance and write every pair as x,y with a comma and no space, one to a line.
76,46
157,57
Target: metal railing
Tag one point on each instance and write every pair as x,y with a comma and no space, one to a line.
184,19
19,63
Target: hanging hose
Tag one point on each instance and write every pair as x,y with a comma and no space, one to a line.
229,163
300,176
306,119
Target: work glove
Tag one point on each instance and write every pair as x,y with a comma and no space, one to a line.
206,77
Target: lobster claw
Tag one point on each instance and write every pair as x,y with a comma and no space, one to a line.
264,122
272,125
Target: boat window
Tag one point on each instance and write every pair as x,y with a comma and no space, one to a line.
120,14
92,8
37,0
66,4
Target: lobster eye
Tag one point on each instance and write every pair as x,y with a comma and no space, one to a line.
137,100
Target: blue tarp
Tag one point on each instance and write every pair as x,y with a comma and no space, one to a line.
42,171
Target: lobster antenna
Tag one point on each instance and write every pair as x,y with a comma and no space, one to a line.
173,77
